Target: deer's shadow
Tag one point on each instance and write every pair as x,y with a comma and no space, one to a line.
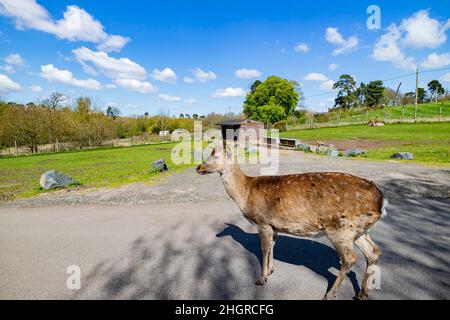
314,255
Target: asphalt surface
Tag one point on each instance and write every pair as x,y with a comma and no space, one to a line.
196,245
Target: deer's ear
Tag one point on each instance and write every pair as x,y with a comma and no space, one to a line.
213,152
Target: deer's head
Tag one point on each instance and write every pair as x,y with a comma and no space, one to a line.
216,162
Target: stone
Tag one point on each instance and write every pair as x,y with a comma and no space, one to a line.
159,166
403,155
54,179
302,146
355,153
333,153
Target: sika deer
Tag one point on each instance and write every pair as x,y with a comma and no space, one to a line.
338,205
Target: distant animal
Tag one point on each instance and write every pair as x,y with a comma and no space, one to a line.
376,123
340,206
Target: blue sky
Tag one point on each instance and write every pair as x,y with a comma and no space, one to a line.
202,56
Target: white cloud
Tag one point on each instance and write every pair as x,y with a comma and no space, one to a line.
301,47
53,74
423,31
76,24
111,67
203,76
333,66
167,75
135,85
15,59
7,68
435,60
36,89
387,48
446,77
229,92
343,45
190,100
168,97
7,85
313,76
325,83
110,86
188,80
247,73
417,31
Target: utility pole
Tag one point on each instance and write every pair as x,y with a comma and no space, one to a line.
396,93
417,93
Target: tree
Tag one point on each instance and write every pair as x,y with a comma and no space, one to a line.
54,121
255,85
270,114
346,97
421,95
274,92
435,88
181,116
113,112
195,116
391,96
374,93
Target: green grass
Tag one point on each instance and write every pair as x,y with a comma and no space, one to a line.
436,154
19,176
430,142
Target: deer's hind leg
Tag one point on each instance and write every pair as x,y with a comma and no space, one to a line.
372,253
343,243
270,264
266,238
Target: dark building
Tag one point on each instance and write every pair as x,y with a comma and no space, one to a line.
240,127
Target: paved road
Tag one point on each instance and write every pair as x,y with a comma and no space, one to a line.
196,244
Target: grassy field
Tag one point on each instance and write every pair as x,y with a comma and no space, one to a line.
430,142
19,176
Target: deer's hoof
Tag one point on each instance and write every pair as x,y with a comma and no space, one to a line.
329,296
361,296
261,281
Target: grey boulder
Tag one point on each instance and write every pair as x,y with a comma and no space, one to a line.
54,179
355,153
333,153
403,155
159,166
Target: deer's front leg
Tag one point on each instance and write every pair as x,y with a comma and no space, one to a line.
274,238
266,238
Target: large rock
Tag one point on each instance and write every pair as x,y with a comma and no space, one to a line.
355,153
302,146
403,155
159,166
54,179
333,153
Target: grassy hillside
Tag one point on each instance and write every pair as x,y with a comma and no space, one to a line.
406,132
425,112
19,176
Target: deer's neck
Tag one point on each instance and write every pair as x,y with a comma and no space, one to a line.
236,184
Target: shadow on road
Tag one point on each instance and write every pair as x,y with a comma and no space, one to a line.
313,255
